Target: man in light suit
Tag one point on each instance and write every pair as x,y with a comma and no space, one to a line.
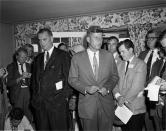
129,90
94,74
50,85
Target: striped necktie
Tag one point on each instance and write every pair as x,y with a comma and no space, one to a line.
95,66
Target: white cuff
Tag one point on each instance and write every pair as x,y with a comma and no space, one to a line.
117,95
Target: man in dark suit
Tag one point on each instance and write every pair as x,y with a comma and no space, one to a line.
49,84
154,65
18,82
94,74
151,56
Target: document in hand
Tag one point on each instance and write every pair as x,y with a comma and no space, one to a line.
153,88
123,113
153,92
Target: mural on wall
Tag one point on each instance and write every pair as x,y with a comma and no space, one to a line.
137,21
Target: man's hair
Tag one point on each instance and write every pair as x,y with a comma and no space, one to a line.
94,29
16,113
163,33
157,32
21,49
45,30
127,43
62,44
113,38
28,45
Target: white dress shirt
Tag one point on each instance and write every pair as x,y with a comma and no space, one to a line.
91,55
115,55
19,68
45,54
155,56
129,61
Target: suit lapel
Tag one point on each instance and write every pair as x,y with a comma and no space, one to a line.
52,58
40,66
121,71
42,62
131,66
27,67
88,66
16,69
101,64
121,68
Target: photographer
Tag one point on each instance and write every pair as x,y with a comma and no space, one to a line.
18,82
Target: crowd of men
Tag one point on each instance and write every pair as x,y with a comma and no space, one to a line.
41,88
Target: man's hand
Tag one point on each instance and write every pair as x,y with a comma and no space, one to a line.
103,91
163,86
26,75
121,100
2,72
72,103
92,89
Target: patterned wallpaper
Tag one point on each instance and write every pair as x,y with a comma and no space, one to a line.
137,21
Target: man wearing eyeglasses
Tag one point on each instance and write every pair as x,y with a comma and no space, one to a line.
154,63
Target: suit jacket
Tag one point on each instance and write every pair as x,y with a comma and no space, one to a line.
155,69
13,74
45,92
163,74
81,76
131,84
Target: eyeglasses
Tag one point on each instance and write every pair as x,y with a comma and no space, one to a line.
152,38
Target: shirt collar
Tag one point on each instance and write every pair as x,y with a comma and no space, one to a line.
20,63
131,59
115,54
91,52
50,51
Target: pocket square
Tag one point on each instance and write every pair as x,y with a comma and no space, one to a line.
59,85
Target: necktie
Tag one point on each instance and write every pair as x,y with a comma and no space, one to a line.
95,66
127,67
22,68
149,65
163,69
47,56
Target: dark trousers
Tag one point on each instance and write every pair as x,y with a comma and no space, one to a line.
152,120
164,114
135,123
100,122
56,120
23,102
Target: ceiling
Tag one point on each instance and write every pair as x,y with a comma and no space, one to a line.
18,11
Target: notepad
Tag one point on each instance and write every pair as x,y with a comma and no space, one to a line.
123,113
153,88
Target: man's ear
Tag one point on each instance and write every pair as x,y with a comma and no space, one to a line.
88,39
131,50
